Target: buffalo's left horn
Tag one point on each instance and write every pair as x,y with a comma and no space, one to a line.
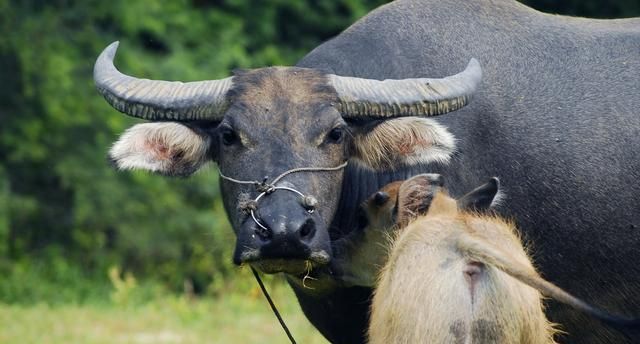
407,97
156,99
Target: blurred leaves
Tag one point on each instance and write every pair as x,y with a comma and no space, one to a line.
588,8
60,201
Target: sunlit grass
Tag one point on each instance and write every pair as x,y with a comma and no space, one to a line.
235,317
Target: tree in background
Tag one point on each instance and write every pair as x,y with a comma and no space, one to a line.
65,215
588,8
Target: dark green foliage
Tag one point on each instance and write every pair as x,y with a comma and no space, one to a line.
588,8
65,215
61,204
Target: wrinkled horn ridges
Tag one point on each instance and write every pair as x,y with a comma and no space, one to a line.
157,99
407,97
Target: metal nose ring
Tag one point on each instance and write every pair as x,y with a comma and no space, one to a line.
308,202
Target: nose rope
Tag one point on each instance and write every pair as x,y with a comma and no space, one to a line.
264,188
273,306
308,202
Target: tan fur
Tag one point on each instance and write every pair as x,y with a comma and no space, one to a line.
444,283
368,257
380,215
166,148
414,197
369,254
403,141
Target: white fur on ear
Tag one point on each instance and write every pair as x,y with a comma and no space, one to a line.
404,141
500,196
166,148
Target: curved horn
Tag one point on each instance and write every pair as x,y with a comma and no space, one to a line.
157,99
406,97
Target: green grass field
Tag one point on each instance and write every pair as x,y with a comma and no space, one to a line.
237,317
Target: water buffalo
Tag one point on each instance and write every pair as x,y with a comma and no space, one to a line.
455,272
559,98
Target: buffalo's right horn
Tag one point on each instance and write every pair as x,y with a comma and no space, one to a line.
406,97
156,99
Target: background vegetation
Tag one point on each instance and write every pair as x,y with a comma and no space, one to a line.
75,232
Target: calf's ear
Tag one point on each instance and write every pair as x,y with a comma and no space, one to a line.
165,148
415,196
482,198
402,141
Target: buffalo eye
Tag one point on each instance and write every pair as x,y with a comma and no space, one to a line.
229,137
336,135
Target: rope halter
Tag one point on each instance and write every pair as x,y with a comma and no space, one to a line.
264,188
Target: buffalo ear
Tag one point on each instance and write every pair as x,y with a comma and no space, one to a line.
481,198
402,141
415,196
165,148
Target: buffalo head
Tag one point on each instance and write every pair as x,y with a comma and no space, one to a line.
260,123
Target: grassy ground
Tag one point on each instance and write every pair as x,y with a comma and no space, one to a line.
238,317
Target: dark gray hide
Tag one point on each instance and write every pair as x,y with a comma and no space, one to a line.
557,119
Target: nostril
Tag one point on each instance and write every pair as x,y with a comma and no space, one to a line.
308,229
263,235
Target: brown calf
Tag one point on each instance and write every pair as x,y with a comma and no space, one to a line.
458,276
